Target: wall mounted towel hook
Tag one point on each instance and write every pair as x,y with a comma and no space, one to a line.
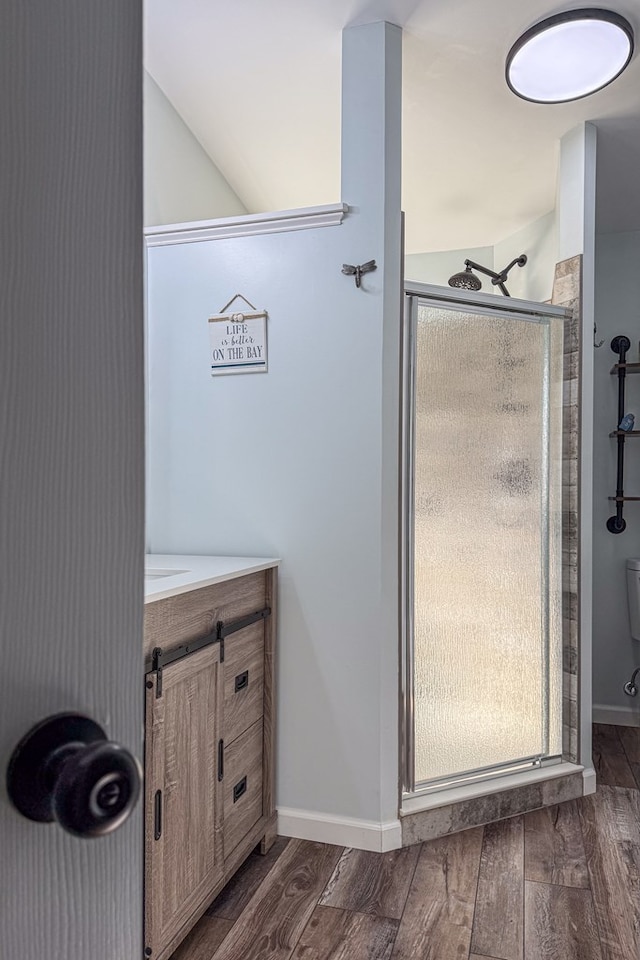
631,687
599,343
356,271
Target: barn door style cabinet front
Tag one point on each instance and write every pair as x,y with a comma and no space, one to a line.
208,747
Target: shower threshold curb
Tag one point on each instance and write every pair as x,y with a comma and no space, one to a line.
473,805
471,791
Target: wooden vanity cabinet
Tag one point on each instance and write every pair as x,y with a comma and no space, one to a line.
208,747
183,829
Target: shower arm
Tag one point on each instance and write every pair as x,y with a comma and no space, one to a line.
498,279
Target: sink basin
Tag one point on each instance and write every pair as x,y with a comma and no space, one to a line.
159,574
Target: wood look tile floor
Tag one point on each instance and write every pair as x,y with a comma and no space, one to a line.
558,884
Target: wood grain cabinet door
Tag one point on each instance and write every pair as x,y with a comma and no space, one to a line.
183,797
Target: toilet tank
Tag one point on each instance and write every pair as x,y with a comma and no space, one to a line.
633,593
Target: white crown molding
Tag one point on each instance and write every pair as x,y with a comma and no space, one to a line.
341,831
250,225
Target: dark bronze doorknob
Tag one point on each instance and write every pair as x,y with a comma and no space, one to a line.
65,769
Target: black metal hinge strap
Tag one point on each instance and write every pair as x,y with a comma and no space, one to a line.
159,659
226,629
156,667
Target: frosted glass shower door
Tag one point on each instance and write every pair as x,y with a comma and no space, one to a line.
486,550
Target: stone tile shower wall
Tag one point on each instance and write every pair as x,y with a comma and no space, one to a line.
567,293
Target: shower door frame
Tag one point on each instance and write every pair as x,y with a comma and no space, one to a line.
480,303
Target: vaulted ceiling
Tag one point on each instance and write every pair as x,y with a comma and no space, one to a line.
258,83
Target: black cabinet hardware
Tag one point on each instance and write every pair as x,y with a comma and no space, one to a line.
226,629
241,681
160,659
220,759
240,789
157,815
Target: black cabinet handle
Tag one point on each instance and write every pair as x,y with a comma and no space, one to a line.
66,770
157,815
241,682
239,789
220,759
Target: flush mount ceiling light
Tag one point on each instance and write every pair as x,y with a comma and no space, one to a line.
569,55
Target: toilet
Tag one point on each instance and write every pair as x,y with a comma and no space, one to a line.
633,593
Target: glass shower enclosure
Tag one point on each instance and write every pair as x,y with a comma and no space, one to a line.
482,538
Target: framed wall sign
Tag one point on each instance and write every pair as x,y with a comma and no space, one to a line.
238,340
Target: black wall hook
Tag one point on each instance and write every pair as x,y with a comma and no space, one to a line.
356,271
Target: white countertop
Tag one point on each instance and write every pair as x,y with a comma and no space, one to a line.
191,573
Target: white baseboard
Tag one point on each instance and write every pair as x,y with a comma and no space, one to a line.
341,831
622,716
589,780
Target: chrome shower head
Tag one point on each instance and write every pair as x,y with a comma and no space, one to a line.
465,280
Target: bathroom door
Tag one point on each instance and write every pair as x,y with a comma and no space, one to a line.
71,449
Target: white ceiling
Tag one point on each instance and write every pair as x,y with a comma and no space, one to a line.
258,83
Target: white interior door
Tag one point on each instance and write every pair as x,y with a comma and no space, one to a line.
71,449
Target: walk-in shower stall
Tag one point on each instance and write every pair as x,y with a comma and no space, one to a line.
482,539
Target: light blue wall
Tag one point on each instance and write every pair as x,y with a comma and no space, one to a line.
181,182
302,462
